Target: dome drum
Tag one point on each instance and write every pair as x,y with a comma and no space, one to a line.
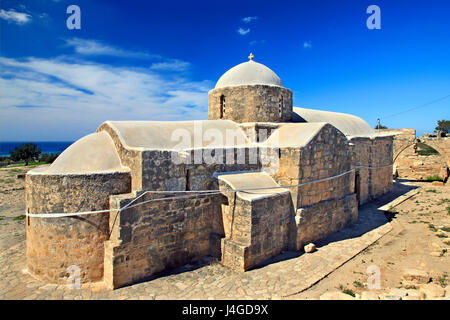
250,103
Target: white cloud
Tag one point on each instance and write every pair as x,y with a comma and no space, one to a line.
97,48
243,31
171,65
16,17
307,44
44,99
249,19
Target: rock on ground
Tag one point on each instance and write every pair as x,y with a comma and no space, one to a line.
417,276
309,248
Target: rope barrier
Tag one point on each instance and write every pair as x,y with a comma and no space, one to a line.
191,193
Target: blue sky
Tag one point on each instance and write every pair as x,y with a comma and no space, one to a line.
148,60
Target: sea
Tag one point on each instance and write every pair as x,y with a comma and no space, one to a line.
46,146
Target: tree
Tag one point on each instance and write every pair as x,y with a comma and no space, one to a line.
48,158
380,126
26,152
444,126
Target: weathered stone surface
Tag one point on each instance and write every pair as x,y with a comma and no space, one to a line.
55,244
432,290
168,225
336,295
417,276
250,103
369,295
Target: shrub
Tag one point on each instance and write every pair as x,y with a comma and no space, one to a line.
48,158
434,178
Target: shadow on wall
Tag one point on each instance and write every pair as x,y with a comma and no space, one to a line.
369,218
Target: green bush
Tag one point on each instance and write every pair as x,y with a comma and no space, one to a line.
434,178
425,150
48,158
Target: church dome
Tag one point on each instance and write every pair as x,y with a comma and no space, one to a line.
249,73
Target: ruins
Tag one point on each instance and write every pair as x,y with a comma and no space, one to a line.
410,164
139,197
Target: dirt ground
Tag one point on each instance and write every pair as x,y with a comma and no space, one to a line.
419,240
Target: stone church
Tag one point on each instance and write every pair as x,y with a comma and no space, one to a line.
120,207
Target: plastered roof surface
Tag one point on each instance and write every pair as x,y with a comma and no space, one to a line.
250,180
350,125
249,73
91,154
178,135
293,135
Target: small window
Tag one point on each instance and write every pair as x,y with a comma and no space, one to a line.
280,107
222,106
188,182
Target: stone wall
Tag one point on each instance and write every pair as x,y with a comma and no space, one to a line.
255,229
157,235
408,164
54,244
258,131
372,157
417,167
324,206
361,152
326,155
324,218
381,161
129,158
250,103
440,144
404,140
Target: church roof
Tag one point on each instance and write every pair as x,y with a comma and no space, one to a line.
350,125
249,73
176,135
93,153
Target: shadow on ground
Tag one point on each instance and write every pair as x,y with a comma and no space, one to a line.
369,218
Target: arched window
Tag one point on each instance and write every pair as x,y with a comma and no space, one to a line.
222,106
280,107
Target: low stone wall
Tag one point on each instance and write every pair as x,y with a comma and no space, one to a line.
54,244
417,167
156,236
408,164
250,103
324,218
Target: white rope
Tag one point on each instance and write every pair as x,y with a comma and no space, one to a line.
364,167
192,193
